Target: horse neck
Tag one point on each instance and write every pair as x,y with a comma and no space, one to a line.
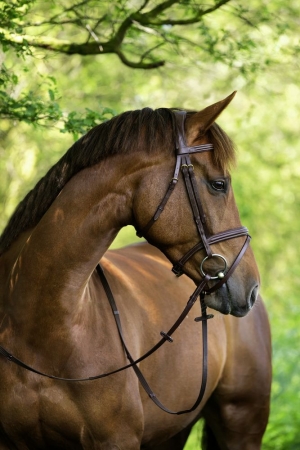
59,256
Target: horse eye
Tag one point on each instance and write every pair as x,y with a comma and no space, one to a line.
218,185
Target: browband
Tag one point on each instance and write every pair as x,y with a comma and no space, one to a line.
181,147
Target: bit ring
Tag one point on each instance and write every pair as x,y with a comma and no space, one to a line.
221,274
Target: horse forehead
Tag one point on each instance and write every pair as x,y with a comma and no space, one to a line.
204,163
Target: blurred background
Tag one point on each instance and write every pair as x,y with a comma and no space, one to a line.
66,66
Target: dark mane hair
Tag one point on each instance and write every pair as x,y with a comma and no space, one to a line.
224,155
119,135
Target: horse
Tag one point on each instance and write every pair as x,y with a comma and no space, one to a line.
58,327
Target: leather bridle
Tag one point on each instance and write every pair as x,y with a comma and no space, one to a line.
183,162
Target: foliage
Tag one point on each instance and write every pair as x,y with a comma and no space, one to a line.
143,34
140,33
38,110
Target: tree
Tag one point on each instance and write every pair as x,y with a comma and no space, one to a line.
117,27
143,34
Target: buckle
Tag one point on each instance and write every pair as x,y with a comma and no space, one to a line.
177,269
202,318
166,336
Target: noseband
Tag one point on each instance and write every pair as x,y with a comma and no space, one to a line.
183,162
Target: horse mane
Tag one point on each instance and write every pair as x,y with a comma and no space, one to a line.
119,135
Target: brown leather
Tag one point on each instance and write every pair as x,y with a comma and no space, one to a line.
232,267
183,161
181,147
219,237
165,337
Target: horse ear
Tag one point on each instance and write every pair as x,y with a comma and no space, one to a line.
200,122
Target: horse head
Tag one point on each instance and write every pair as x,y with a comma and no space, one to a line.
122,172
199,227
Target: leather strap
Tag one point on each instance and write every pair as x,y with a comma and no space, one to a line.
181,147
216,238
160,208
232,267
191,187
166,336
183,160
133,363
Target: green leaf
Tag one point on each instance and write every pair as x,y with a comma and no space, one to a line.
51,94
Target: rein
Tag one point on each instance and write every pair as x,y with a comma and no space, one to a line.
183,162
133,363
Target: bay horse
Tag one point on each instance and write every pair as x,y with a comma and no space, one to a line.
56,318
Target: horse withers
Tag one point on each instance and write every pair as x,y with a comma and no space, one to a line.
167,173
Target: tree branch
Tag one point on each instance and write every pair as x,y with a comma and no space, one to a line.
58,45
127,25
89,48
159,9
145,18
140,64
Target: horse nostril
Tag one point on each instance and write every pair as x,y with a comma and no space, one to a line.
253,297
